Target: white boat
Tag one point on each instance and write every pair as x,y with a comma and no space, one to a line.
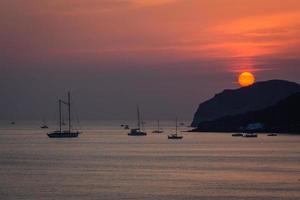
64,133
137,131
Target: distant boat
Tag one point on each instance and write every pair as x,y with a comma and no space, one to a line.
12,123
175,135
64,133
137,131
250,135
237,135
126,127
44,126
63,123
157,131
272,134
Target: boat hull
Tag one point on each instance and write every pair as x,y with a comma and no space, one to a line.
171,137
250,135
63,134
157,131
137,134
237,135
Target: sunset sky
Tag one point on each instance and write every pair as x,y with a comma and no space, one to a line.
166,55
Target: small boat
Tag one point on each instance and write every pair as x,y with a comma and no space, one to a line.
12,123
44,127
237,135
137,131
64,133
250,135
157,131
175,136
272,134
126,127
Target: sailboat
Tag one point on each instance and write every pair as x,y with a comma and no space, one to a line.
157,131
175,135
137,131
250,135
44,126
64,133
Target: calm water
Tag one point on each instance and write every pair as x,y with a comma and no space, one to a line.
104,163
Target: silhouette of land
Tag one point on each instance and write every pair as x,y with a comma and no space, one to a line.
271,106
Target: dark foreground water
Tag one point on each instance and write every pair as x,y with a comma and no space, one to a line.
104,163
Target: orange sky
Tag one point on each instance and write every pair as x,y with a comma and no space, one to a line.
164,30
201,40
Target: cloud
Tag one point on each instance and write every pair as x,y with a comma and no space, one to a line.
247,41
94,7
256,24
259,35
149,30
151,2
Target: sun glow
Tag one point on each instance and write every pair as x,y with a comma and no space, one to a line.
246,79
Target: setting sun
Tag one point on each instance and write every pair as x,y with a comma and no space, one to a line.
246,79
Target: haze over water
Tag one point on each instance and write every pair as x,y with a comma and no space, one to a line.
104,163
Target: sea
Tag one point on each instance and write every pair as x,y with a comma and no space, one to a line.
106,164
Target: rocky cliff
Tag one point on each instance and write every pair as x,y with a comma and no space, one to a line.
233,102
283,117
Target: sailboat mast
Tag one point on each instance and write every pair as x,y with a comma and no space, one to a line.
138,116
176,126
69,105
158,125
59,107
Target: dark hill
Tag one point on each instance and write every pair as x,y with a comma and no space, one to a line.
284,117
256,97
